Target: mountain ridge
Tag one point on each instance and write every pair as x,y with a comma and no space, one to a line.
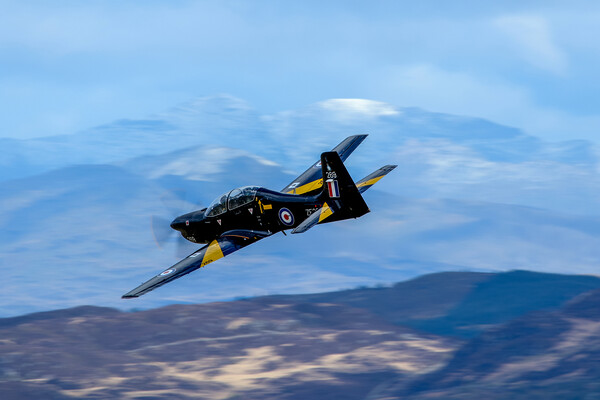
82,232
307,346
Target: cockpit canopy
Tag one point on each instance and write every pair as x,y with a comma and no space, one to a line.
234,199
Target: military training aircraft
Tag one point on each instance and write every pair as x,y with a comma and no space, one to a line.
247,214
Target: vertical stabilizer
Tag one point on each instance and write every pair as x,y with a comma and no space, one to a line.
339,190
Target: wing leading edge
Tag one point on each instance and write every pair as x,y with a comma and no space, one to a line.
228,243
311,180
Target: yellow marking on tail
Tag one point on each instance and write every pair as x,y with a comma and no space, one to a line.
370,181
325,212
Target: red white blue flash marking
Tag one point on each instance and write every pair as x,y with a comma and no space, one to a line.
334,189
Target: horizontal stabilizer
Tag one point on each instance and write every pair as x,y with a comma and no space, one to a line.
311,181
314,219
369,180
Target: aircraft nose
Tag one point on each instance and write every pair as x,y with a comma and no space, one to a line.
180,223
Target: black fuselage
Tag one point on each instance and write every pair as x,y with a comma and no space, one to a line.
268,211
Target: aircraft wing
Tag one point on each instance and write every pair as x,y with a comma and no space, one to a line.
228,243
312,179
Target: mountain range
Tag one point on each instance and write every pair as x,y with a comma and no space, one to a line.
468,195
440,155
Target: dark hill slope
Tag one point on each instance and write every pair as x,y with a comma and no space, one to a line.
81,311
217,350
426,297
458,303
542,355
349,344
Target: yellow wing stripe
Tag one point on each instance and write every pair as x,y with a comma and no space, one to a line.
213,253
370,181
325,212
307,187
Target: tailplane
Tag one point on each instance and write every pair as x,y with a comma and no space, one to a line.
369,180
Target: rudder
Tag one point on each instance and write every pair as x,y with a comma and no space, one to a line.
339,190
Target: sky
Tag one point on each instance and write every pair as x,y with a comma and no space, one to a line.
69,65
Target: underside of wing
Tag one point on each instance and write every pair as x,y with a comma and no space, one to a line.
228,243
311,180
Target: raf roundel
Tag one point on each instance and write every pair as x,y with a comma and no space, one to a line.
286,217
167,272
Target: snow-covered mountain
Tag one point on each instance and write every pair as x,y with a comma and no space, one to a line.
439,155
75,227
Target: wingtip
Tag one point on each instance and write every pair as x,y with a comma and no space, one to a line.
360,137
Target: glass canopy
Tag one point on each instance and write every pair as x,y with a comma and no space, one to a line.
234,199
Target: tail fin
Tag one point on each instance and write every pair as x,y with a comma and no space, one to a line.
339,190
340,196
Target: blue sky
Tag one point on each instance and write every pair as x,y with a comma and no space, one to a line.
66,66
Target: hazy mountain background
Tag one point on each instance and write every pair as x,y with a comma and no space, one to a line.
468,194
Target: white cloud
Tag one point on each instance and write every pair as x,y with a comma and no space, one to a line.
353,108
531,34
